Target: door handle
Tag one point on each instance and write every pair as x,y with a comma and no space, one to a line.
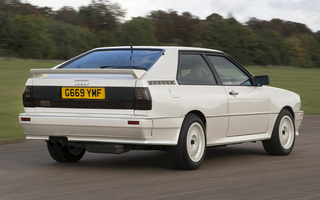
233,93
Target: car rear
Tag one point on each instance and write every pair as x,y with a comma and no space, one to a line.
88,99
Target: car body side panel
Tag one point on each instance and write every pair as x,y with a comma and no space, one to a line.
249,110
179,100
165,68
281,99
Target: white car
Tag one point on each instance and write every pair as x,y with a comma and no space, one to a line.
177,99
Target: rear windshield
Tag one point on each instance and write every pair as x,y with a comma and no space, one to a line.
116,59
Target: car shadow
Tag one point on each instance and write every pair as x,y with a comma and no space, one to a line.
159,159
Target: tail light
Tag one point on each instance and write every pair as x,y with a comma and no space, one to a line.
142,99
27,97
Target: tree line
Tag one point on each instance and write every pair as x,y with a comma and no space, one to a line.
28,31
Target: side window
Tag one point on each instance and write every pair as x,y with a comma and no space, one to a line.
193,70
229,73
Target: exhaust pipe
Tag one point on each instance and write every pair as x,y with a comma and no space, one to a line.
51,143
59,143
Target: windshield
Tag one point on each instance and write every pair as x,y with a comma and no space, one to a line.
116,59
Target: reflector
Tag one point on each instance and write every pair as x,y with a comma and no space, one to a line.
133,122
25,119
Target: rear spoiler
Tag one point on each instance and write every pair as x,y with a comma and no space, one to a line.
40,73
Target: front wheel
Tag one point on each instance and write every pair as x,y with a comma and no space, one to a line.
191,148
64,153
283,135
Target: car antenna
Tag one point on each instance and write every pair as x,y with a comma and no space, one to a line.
130,47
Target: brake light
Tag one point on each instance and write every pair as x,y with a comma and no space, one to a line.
27,97
142,99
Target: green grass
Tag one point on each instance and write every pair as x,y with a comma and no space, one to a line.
14,74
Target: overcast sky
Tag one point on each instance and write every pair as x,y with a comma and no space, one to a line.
302,11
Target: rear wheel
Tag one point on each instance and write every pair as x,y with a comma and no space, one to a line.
191,148
283,135
65,153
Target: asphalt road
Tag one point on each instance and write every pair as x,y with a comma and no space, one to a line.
242,171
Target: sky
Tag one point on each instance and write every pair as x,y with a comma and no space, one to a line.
302,11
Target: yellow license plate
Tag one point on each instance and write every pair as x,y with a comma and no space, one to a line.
83,93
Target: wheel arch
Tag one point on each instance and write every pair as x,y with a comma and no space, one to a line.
199,114
289,109
283,137
190,151
202,118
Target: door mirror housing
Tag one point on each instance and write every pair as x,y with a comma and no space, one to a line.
261,80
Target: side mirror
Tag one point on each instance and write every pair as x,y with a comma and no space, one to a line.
261,80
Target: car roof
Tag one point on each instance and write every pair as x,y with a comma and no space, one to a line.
161,47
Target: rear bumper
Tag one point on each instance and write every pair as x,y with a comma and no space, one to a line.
102,128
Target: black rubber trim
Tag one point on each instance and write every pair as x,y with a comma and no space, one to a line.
116,98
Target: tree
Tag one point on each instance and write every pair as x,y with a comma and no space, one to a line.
316,54
285,43
174,29
238,40
271,49
140,31
68,15
15,7
228,35
298,55
313,49
284,28
26,36
106,38
101,15
70,40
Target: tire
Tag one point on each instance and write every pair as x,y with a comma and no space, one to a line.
191,148
64,153
283,135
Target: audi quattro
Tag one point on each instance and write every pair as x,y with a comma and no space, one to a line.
177,99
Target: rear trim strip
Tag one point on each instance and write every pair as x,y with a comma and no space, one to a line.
115,98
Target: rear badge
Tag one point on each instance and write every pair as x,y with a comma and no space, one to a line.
81,82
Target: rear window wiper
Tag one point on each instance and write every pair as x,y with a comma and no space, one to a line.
131,67
103,67
124,67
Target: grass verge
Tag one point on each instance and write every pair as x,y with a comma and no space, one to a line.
14,75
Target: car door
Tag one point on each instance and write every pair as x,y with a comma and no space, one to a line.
199,91
249,105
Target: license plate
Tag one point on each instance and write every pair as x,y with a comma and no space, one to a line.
83,93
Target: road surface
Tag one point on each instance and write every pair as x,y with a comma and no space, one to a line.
242,171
